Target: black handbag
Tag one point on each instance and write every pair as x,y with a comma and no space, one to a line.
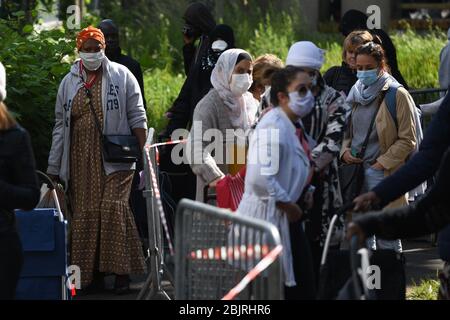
116,148
351,176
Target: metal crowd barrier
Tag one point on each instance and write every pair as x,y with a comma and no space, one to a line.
425,96
219,255
152,288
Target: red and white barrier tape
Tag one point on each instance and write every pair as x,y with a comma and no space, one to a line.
224,253
258,269
167,143
154,182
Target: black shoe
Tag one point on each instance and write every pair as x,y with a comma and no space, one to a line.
122,285
95,287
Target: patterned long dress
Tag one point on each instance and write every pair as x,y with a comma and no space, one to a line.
104,234
326,125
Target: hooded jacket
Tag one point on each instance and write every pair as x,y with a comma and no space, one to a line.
199,16
123,111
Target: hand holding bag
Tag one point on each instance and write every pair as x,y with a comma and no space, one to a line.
351,176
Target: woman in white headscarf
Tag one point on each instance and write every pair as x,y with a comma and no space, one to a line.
228,106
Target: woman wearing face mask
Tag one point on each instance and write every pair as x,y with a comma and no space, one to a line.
325,124
344,77
98,95
389,143
273,185
223,108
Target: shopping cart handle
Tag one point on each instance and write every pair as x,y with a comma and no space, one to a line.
45,178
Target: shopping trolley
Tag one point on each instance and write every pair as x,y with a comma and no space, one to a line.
43,233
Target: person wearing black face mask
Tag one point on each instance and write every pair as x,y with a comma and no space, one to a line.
199,23
114,52
198,83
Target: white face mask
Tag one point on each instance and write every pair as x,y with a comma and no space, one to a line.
219,45
92,61
301,106
240,83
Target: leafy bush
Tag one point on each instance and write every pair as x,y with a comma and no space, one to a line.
426,290
161,90
35,65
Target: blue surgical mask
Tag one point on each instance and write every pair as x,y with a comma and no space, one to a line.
368,77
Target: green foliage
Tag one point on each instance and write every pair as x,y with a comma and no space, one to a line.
35,66
270,38
161,89
426,290
418,57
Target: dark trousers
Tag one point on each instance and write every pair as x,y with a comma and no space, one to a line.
11,260
303,266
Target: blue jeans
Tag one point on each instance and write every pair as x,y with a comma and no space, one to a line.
373,178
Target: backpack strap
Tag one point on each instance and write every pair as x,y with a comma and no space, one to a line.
391,101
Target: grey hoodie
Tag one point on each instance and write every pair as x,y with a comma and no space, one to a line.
123,110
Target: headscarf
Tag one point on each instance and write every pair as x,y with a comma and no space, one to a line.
199,16
363,95
305,54
90,33
221,31
221,78
2,82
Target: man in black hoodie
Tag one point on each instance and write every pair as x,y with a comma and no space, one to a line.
357,20
114,52
199,23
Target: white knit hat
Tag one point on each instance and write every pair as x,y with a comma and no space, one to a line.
2,82
305,54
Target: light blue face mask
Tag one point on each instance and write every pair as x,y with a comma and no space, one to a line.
368,77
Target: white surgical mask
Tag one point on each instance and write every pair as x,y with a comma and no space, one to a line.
240,83
301,106
219,45
92,61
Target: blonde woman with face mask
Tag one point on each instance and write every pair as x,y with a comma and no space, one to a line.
226,106
98,97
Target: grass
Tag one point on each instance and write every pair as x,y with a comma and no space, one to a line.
427,290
